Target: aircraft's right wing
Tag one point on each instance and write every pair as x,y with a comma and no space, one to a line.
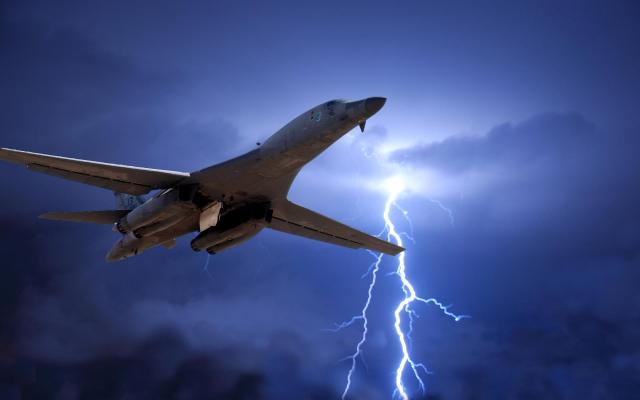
292,218
119,178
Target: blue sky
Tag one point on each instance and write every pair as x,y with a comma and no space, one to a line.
518,116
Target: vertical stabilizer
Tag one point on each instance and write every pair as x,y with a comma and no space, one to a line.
126,201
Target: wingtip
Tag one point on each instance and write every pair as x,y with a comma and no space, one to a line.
392,249
51,216
10,150
399,250
4,152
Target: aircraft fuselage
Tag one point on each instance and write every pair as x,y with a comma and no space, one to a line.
234,202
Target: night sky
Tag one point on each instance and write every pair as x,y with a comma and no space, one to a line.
520,117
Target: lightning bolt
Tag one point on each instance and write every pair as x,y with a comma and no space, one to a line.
452,220
375,267
205,267
403,308
410,297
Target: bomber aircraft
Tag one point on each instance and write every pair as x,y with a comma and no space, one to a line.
226,203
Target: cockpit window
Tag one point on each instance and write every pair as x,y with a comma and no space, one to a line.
331,108
315,115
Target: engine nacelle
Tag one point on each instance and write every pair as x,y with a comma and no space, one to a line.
234,227
124,248
215,241
153,211
158,226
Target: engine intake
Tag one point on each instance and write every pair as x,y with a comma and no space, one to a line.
234,227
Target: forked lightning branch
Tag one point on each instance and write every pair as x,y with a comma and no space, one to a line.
404,312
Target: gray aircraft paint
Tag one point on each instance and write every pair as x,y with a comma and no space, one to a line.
251,189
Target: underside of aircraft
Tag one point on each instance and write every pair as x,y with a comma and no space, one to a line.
227,203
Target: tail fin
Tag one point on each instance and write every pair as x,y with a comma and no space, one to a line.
126,201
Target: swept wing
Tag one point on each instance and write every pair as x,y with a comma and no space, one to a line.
119,178
297,220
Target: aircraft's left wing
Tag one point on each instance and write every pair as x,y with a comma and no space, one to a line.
119,178
292,218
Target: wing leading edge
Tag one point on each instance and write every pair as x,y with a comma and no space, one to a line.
119,178
294,219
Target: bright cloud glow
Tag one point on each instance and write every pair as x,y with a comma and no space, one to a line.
395,184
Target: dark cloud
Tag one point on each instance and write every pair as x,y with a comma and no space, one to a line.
543,254
73,327
555,177
547,236
59,83
163,366
546,137
71,330
64,94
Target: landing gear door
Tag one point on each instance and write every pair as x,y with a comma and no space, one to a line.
209,216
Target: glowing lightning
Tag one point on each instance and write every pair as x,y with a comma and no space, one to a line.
395,188
452,220
365,326
205,267
410,296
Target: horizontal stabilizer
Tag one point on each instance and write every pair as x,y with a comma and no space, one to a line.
294,219
94,217
119,178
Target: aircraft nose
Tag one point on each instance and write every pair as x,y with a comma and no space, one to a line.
373,104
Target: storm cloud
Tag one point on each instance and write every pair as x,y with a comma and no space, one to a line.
540,139
544,252
550,229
